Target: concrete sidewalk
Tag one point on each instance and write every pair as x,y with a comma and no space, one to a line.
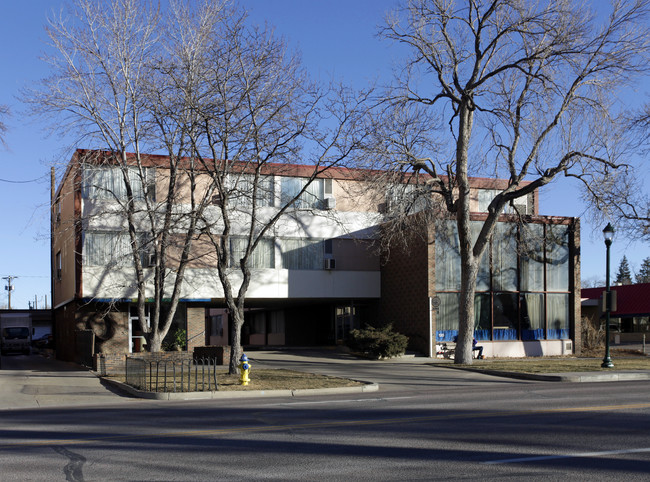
34,381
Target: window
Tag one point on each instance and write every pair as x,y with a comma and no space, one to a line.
532,258
532,316
59,266
504,257
447,257
482,318
408,198
483,277
262,257
242,187
505,315
276,324
311,198
522,289
257,323
113,249
216,325
447,317
301,253
485,197
558,316
557,258
107,182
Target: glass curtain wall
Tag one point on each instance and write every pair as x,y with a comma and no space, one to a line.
522,289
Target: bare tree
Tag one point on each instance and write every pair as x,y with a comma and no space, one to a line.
512,89
258,116
110,84
622,197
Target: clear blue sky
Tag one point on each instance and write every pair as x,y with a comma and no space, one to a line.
336,37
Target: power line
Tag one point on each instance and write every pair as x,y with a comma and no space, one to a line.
24,182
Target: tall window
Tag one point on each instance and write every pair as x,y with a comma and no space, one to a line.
59,266
522,289
447,257
504,257
557,258
107,182
312,198
532,257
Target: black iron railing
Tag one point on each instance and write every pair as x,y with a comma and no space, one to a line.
193,375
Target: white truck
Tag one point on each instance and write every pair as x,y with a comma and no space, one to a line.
16,333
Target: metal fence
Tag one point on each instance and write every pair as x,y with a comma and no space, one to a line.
197,375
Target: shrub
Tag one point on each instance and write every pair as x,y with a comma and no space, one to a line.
378,342
593,337
178,341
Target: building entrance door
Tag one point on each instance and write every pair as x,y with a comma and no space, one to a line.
137,340
346,320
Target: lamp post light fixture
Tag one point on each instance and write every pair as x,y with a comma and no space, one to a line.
608,234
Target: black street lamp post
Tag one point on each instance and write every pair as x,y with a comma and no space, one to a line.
608,233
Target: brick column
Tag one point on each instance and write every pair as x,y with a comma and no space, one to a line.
195,327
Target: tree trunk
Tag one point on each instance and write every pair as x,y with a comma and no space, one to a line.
466,313
155,342
468,262
235,340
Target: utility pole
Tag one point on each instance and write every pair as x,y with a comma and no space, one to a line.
9,288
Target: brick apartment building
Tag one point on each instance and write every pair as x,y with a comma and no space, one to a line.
319,274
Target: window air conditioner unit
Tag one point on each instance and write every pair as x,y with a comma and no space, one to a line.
330,203
330,263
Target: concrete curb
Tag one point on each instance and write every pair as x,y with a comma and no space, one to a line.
569,377
235,394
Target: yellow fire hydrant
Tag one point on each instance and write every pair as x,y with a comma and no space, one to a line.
244,368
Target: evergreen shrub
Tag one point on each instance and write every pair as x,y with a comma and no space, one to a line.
378,342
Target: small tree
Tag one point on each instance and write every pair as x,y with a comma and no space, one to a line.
643,276
623,276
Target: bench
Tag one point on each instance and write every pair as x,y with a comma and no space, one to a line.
447,349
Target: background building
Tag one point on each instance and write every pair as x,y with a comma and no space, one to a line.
630,320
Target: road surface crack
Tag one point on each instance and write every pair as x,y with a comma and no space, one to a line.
73,469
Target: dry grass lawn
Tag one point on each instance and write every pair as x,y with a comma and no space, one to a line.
283,380
259,380
622,360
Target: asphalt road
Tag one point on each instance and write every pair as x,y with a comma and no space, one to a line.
474,428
